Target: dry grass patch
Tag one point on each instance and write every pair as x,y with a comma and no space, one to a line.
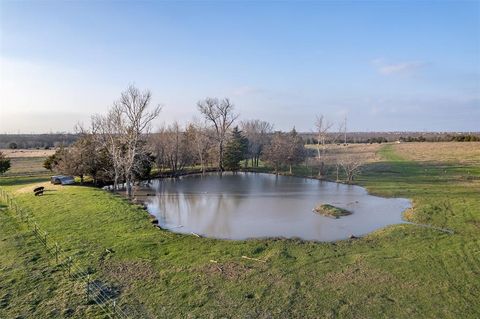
9,153
128,271
228,270
409,213
367,153
450,152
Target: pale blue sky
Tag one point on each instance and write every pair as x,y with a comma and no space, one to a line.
388,65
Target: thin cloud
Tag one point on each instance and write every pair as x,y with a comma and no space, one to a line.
246,90
407,67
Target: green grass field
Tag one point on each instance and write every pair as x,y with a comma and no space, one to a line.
401,271
28,166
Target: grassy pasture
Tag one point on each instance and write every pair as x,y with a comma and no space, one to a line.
26,162
441,152
401,271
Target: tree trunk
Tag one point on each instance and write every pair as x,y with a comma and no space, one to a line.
128,186
202,166
321,169
115,181
350,177
220,157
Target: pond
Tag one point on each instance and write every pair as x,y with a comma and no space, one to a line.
255,205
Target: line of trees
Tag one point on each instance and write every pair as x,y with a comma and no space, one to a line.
114,147
119,148
36,141
57,140
258,134
214,143
385,137
285,149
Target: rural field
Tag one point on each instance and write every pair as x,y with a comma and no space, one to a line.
428,268
26,162
239,159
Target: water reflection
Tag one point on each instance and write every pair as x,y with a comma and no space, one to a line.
247,205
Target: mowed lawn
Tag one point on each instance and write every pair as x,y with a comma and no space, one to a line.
401,271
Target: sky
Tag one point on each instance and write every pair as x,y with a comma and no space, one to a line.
384,65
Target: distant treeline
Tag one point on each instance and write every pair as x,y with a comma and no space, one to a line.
46,141
385,137
36,141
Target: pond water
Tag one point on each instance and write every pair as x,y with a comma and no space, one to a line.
254,205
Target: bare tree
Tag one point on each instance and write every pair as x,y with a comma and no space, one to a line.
173,148
122,132
274,152
284,149
200,139
351,166
109,136
258,133
135,120
295,151
221,116
322,126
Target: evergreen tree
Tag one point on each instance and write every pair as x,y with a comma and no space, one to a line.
51,161
235,151
4,163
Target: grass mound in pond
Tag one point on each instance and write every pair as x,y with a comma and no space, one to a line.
331,211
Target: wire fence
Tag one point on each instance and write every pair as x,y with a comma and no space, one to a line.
95,291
